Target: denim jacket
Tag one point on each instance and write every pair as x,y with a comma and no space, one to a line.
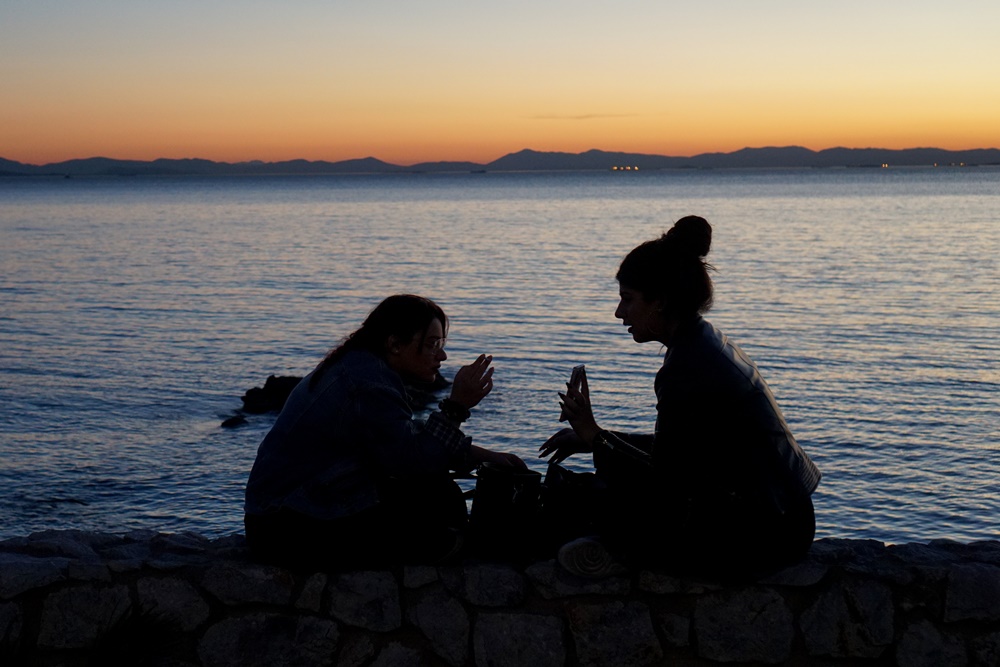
332,443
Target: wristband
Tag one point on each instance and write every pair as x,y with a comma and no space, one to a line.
454,410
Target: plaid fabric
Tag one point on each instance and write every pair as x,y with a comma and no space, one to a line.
450,435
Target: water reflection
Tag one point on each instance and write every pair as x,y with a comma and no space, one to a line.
135,314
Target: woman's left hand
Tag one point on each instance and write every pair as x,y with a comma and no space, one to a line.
576,407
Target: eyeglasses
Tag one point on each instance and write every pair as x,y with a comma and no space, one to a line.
434,345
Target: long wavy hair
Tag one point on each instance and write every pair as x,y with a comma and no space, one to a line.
403,316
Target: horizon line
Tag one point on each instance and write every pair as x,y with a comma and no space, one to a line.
513,152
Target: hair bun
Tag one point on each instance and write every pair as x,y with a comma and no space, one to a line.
691,235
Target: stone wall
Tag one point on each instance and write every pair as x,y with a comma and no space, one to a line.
75,598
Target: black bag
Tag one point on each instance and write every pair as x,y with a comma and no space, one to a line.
505,518
573,504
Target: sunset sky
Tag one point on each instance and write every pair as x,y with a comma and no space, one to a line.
464,80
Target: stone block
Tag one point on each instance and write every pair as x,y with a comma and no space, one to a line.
415,576
674,628
264,640
235,583
921,554
368,600
883,569
502,638
973,593
140,535
833,551
853,619
174,601
984,650
552,582
662,583
311,596
229,543
89,538
123,566
20,573
78,617
800,575
173,562
444,621
397,654
179,543
922,645
750,625
14,544
356,650
88,571
58,543
987,551
984,551
485,584
613,633
11,621
130,551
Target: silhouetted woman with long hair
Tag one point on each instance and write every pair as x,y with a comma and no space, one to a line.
347,477
721,486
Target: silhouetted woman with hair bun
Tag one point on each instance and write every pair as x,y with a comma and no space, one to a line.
721,487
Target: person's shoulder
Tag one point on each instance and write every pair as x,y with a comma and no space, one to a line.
695,343
718,356
368,369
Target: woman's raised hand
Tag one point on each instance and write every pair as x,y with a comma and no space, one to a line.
575,405
473,382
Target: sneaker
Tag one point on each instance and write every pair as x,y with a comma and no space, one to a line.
586,557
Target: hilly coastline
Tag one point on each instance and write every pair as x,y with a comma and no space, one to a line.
526,160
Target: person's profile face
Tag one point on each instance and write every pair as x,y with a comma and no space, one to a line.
644,318
420,358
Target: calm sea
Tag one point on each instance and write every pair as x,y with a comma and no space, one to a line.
134,313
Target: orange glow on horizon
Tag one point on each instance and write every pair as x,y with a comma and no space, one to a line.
407,84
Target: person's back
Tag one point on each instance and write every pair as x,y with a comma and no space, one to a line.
717,419
311,460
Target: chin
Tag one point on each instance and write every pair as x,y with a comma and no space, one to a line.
640,338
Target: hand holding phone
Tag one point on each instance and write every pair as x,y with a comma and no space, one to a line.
576,379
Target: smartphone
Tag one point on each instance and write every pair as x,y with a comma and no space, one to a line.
575,380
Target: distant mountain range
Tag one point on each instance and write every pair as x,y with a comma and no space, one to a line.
525,160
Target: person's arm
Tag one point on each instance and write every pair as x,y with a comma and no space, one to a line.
405,446
401,445
586,436
638,448
471,385
483,455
